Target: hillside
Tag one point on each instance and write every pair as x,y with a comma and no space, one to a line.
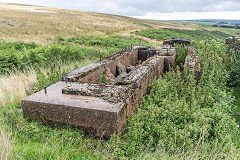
42,24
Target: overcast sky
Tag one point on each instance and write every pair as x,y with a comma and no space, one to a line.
150,9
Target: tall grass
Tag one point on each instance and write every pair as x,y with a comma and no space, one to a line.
58,22
178,119
13,58
5,145
15,85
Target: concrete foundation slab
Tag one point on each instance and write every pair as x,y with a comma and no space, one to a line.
101,109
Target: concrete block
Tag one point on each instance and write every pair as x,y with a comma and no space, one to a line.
100,109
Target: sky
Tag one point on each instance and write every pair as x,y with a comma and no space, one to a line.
150,9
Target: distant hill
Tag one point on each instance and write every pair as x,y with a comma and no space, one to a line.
226,21
28,23
37,23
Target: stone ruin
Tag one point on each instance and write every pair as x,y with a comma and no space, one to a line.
100,97
192,62
233,42
173,41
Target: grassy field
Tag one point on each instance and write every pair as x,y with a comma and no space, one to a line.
199,22
169,33
178,119
53,22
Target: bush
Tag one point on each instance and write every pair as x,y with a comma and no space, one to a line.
234,80
181,51
178,113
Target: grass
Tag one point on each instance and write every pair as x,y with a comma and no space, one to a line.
57,22
80,37
236,94
166,33
34,140
21,56
145,25
5,145
111,44
13,86
53,22
199,22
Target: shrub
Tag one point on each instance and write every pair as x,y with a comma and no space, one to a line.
234,80
178,113
181,51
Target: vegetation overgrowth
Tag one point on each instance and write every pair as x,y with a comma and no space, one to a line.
20,56
182,53
111,44
108,42
179,118
178,113
169,33
234,80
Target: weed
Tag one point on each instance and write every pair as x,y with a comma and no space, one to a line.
102,79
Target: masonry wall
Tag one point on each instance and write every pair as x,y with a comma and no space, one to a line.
127,59
97,113
234,42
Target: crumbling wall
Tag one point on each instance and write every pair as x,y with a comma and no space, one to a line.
169,55
81,101
91,73
234,42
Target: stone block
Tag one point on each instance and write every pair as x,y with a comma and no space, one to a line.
100,109
95,115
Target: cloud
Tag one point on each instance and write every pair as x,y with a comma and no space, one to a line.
235,15
143,8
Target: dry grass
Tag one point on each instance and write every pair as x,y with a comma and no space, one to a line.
14,86
42,24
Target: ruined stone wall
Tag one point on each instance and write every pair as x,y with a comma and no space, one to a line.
234,42
169,55
93,71
102,109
